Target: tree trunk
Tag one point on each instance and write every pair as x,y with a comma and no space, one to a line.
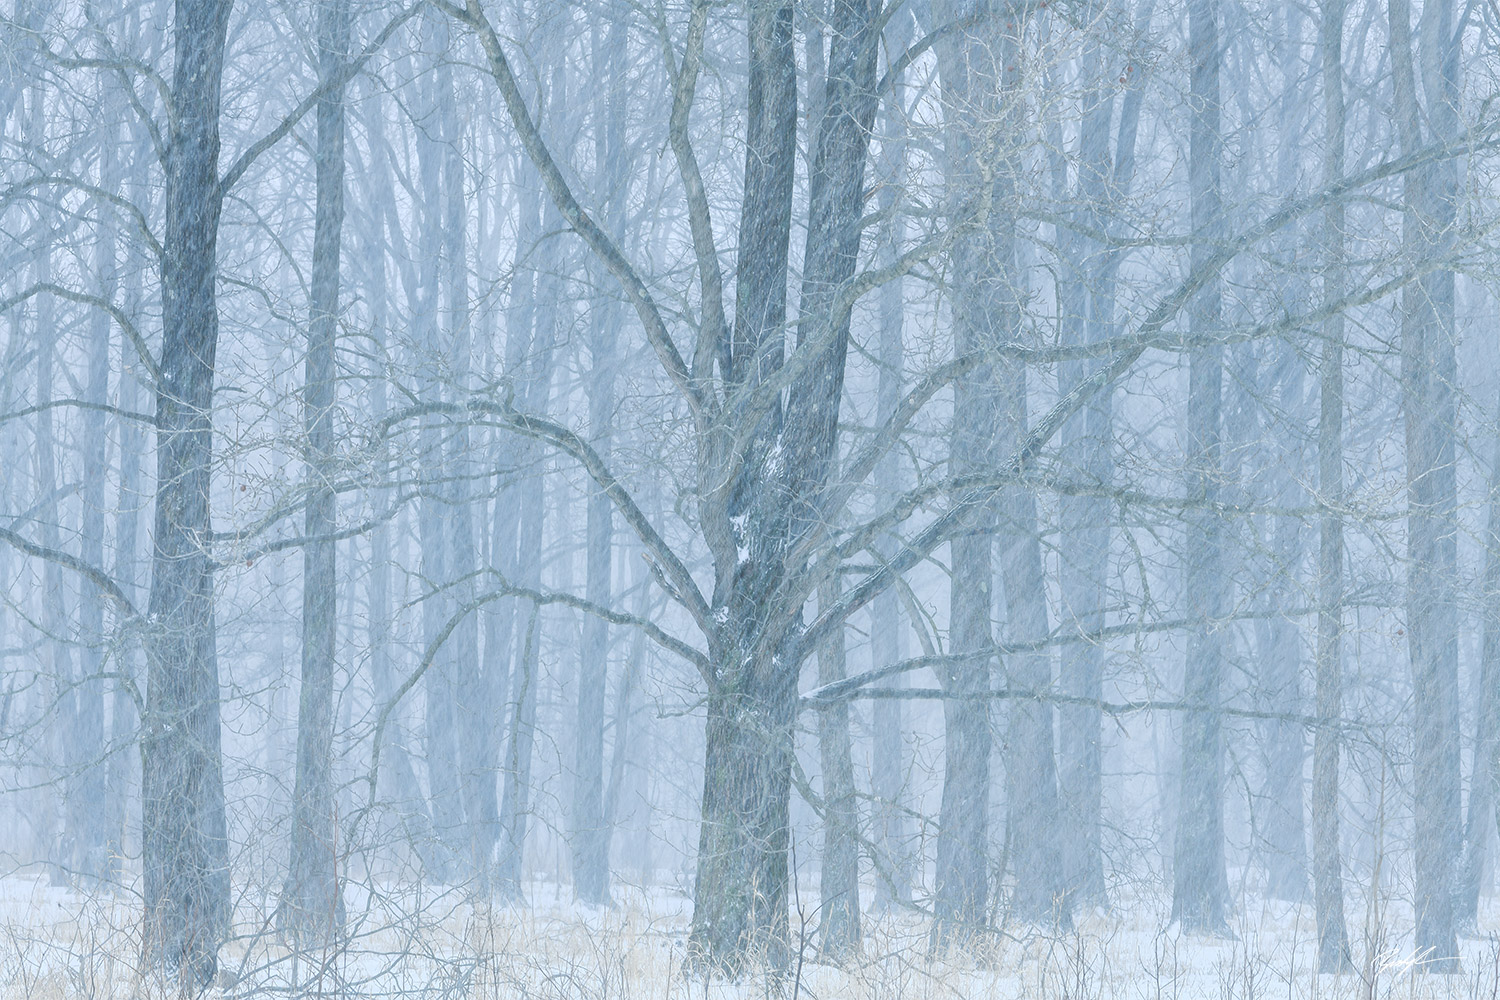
186,857
1084,521
839,877
1200,886
440,337
123,777
1327,869
397,783
312,903
739,895
1280,653
888,824
591,834
1428,375
1034,820
1480,823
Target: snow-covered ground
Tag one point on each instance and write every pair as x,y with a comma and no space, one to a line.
424,942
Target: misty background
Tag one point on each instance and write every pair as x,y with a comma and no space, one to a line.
832,480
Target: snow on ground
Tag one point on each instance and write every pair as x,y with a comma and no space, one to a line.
423,942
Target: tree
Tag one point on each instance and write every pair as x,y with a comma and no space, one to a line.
312,904
186,853
1200,886
1429,372
1327,868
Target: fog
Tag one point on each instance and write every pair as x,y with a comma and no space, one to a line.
834,497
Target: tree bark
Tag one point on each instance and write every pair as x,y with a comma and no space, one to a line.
1483,798
1428,375
591,833
1200,885
888,823
840,935
1327,868
311,910
186,856
1034,819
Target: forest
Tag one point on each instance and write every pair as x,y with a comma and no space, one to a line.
743,498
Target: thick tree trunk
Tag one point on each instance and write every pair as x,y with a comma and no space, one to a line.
740,901
739,896
186,857
312,902
1200,886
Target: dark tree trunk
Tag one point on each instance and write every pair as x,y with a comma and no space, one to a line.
186,857
1200,886
312,901
740,892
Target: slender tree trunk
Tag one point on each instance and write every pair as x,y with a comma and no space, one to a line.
590,826
968,72
1483,797
535,376
888,823
87,817
62,752
1034,819
1327,868
1283,820
312,901
186,855
839,876
1480,823
440,519
1428,375
1084,527
1200,887
397,782
463,680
